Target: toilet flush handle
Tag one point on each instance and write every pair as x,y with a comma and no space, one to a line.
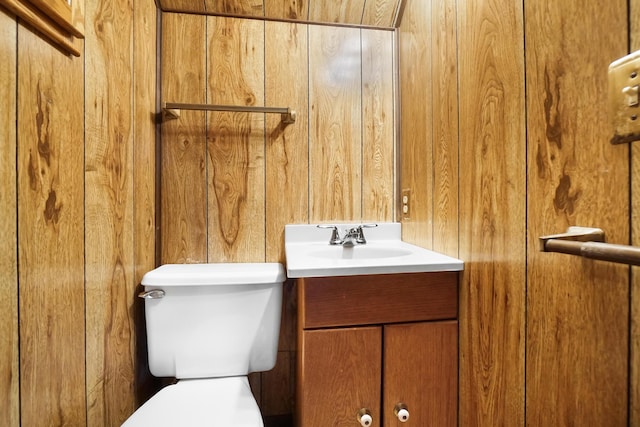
152,294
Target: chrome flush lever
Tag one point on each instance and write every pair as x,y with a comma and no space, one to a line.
152,294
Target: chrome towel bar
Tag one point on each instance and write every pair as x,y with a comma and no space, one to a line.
589,243
171,110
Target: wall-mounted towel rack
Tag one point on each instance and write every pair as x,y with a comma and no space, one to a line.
171,110
589,243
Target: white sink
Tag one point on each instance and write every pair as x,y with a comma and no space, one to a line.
309,254
358,252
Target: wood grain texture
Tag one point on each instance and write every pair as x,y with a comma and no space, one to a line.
50,234
335,164
577,310
236,141
634,362
379,13
347,12
287,9
183,204
287,146
378,125
144,179
416,121
144,128
345,365
9,344
421,371
109,228
492,212
235,7
446,168
375,299
188,6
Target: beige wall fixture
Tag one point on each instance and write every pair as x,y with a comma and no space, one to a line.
589,243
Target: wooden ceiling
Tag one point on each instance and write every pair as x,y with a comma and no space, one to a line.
373,13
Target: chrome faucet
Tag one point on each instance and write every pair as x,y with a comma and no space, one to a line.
352,235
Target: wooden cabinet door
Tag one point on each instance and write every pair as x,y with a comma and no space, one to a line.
421,371
339,372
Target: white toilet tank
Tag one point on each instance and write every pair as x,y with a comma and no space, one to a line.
213,320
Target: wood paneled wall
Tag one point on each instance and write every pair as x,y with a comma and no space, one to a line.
525,169
50,242
577,311
429,124
9,364
492,211
231,181
634,381
77,220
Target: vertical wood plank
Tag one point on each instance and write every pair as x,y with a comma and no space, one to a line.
445,127
377,125
183,143
577,310
9,380
144,185
144,128
492,212
416,121
287,9
109,224
346,12
379,13
335,124
235,141
50,234
634,372
287,146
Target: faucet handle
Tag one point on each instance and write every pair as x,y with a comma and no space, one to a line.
360,239
335,234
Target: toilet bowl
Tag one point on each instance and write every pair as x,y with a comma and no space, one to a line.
209,326
215,402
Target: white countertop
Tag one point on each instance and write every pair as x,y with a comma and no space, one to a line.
308,253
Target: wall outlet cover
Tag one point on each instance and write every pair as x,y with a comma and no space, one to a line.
624,82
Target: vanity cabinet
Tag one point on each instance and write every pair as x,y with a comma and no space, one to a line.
374,342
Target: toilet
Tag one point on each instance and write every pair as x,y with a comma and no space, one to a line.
209,325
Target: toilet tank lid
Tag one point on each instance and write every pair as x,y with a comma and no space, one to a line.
214,274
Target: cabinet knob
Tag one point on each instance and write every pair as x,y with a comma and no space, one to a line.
401,412
364,417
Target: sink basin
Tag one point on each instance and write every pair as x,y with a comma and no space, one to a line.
360,252
309,254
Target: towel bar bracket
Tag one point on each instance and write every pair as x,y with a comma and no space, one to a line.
575,234
589,243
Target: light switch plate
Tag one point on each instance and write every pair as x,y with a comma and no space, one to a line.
624,101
